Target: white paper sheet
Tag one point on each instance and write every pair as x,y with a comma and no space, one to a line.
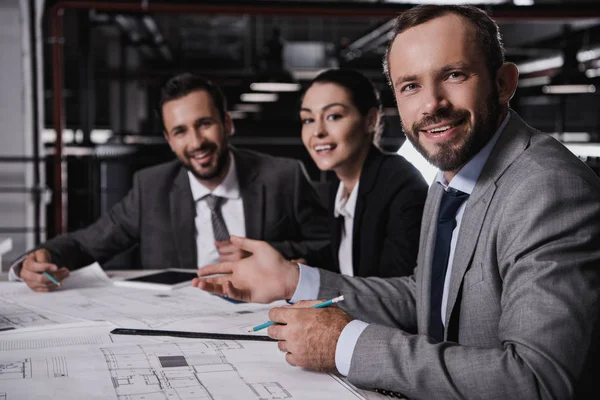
194,369
14,315
188,308
87,277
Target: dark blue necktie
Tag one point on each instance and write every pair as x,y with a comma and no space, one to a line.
451,201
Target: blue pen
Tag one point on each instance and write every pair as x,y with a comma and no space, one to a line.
53,279
320,305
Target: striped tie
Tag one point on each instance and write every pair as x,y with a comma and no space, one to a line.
218,223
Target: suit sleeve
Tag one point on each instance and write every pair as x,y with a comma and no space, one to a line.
388,301
401,243
310,219
548,254
112,234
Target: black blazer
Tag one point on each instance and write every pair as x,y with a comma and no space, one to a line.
387,218
157,215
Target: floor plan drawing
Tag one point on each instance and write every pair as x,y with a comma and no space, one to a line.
13,315
51,367
15,369
188,371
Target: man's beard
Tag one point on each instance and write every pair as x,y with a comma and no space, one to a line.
453,155
211,173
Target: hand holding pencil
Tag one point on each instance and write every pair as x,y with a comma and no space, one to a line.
319,305
308,334
40,273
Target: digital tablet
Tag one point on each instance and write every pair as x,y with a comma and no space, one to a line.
163,280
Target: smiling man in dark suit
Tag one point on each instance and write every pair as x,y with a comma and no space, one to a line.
181,213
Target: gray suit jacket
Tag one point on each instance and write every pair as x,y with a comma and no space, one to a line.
523,303
280,206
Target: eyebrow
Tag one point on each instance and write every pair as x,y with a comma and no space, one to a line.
325,108
444,69
176,128
183,126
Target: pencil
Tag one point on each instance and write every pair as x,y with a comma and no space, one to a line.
320,305
53,279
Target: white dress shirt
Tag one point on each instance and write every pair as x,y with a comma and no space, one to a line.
232,209
345,207
464,181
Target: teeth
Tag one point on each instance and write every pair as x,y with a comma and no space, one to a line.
201,155
442,129
324,147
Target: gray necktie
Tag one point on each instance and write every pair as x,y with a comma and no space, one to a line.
218,223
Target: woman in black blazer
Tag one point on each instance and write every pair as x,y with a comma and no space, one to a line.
376,202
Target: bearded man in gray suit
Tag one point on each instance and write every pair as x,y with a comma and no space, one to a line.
510,311
169,213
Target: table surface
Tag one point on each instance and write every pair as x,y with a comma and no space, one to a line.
116,275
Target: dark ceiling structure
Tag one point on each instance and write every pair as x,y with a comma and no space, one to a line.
105,61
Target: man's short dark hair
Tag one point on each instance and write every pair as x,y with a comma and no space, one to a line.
487,34
183,84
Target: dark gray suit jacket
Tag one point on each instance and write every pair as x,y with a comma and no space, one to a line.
524,297
280,206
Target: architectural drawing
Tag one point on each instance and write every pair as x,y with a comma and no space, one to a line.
50,367
141,308
13,315
184,371
15,369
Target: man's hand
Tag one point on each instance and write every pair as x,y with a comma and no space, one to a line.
263,277
230,252
309,336
36,263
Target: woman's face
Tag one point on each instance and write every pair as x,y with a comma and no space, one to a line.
333,130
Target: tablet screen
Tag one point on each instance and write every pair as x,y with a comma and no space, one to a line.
166,277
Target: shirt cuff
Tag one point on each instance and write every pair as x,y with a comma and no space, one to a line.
14,272
308,284
346,343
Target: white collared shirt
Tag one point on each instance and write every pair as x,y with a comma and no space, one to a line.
232,210
345,207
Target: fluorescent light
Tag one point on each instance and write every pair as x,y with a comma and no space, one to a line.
588,55
408,151
536,81
540,65
592,73
584,150
523,2
247,107
572,137
275,87
557,61
237,114
259,97
568,89
449,2
100,136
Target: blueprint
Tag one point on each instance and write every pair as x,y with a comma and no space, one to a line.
187,370
183,309
14,315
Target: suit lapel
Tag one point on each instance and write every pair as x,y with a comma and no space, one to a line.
253,195
335,224
367,179
512,142
426,251
183,213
